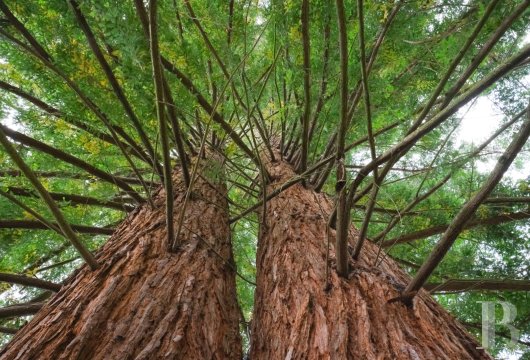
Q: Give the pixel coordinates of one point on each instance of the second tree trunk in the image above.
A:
(300, 315)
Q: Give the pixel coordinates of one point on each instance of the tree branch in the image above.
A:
(21, 309)
(399, 150)
(69, 175)
(70, 159)
(324, 79)
(188, 84)
(465, 285)
(29, 281)
(130, 145)
(484, 51)
(216, 117)
(501, 334)
(8, 330)
(419, 199)
(177, 132)
(36, 225)
(88, 103)
(508, 200)
(441, 84)
(343, 218)
(294, 180)
(307, 86)
(25, 33)
(459, 222)
(43, 193)
(74, 199)
(120, 94)
(439, 229)
(162, 124)
(377, 180)
(32, 212)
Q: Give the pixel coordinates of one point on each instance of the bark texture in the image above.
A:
(297, 317)
(145, 302)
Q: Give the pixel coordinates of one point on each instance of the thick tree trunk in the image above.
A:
(297, 316)
(145, 302)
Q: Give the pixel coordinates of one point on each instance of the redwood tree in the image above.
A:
(303, 309)
(317, 139)
(144, 301)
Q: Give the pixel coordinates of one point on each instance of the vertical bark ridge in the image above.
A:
(296, 317)
(145, 302)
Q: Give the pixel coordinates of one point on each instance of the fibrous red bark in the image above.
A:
(297, 316)
(145, 302)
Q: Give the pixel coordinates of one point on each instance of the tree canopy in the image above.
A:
(99, 100)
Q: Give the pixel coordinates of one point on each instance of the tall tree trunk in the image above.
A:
(297, 316)
(145, 302)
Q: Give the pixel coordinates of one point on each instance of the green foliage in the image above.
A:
(421, 42)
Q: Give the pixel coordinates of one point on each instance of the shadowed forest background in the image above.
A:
(275, 177)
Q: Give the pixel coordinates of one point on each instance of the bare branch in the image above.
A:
(32, 212)
(508, 200)
(20, 310)
(439, 229)
(485, 50)
(70, 159)
(377, 180)
(466, 285)
(130, 146)
(120, 94)
(43, 193)
(459, 222)
(307, 86)
(8, 330)
(441, 84)
(162, 125)
(400, 149)
(36, 225)
(74, 199)
(177, 132)
(29, 281)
